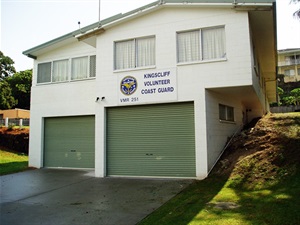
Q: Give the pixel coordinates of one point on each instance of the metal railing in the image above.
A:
(14, 122)
(289, 62)
(285, 109)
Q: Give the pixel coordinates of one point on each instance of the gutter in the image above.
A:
(56, 40)
(31, 56)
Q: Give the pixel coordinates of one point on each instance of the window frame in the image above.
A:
(87, 70)
(38, 71)
(136, 55)
(200, 50)
(290, 72)
(227, 110)
(69, 70)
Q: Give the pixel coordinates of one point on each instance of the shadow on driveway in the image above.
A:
(50, 196)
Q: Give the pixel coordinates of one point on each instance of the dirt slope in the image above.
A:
(265, 152)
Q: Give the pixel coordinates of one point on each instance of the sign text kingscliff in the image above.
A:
(150, 86)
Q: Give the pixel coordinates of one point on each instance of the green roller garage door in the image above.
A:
(151, 140)
(69, 142)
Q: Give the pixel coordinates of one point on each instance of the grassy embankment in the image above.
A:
(12, 162)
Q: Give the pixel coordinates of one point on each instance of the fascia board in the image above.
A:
(220, 2)
(67, 38)
(285, 51)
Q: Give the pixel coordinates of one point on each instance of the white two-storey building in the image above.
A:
(155, 92)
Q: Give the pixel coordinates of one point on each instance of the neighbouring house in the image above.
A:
(289, 64)
(15, 114)
(155, 92)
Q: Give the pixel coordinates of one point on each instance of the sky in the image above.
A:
(28, 23)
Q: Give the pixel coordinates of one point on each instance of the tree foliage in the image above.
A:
(296, 14)
(20, 84)
(296, 95)
(280, 91)
(14, 87)
(289, 98)
(7, 101)
(7, 66)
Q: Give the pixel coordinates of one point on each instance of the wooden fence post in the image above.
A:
(20, 123)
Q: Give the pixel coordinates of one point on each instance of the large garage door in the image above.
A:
(151, 140)
(69, 142)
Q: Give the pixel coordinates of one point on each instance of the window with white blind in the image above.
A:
(201, 45)
(83, 67)
(60, 70)
(139, 52)
(68, 69)
(79, 68)
(226, 113)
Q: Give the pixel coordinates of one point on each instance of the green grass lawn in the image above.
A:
(260, 184)
(11, 162)
(216, 201)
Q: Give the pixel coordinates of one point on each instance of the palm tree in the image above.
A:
(297, 13)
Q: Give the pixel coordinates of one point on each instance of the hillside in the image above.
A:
(256, 181)
(262, 154)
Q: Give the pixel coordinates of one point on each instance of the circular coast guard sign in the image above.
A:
(128, 85)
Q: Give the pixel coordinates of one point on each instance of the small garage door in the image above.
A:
(69, 142)
(151, 140)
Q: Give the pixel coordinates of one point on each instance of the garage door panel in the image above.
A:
(155, 168)
(69, 142)
(152, 140)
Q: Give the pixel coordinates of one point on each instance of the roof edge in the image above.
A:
(118, 17)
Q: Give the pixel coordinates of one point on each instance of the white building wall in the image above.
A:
(258, 85)
(260, 91)
(78, 98)
(192, 79)
(219, 132)
(58, 99)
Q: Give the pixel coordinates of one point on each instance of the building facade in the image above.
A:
(15, 114)
(155, 92)
(289, 64)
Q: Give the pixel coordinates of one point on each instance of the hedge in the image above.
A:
(16, 142)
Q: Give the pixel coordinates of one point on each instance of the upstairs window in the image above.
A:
(79, 68)
(135, 53)
(67, 70)
(226, 113)
(83, 67)
(189, 46)
(44, 73)
(200, 45)
(60, 70)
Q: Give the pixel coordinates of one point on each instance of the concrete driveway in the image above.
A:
(49, 196)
